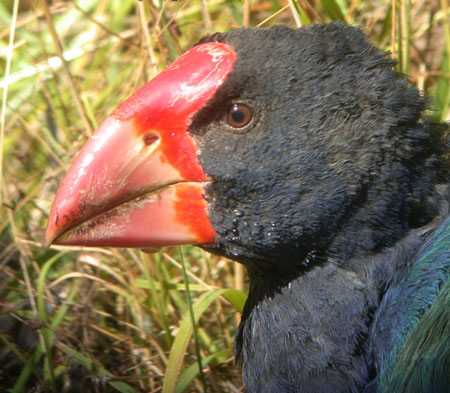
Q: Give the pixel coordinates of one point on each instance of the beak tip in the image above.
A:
(49, 236)
(53, 230)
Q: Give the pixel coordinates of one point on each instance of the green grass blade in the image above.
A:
(188, 375)
(49, 371)
(443, 86)
(236, 297)
(303, 16)
(14, 349)
(41, 285)
(121, 387)
(183, 337)
(386, 26)
(336, 10)
(59, 316)
(191, 313)
(97, 370)
(29, 368)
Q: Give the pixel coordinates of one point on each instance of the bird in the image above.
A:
(305, 156)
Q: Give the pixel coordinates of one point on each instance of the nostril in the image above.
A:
(150, 138)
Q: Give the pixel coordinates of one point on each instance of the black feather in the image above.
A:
(326, 196)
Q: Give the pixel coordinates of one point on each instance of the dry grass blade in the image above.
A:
(59, 51)
(5, 92)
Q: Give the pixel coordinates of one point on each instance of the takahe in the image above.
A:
(305, 156)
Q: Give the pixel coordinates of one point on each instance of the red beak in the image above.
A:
(138, 182)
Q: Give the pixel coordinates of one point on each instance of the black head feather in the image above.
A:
(337, 147)
(318, 195)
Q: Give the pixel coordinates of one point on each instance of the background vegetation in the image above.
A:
(101, 320)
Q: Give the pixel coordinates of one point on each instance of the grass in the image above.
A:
(105, 320)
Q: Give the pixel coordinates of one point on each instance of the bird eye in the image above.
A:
(239, 115)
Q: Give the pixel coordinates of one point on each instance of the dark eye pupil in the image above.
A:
(239, 115)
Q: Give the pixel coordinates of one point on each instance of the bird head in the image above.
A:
(263, 145)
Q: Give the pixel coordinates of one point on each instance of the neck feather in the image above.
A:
(311, 333)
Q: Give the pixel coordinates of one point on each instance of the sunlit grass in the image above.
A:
(74, 319)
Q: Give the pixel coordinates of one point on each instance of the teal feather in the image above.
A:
(420, 359)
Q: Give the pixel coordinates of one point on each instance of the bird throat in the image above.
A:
(312, 333)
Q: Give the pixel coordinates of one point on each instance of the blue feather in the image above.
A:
(420, 358)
